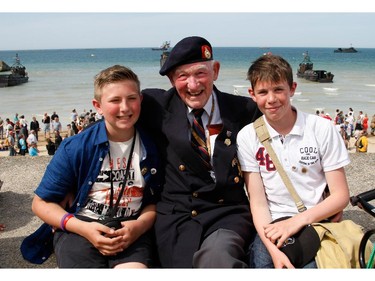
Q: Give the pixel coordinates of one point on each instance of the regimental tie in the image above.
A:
(198, 138)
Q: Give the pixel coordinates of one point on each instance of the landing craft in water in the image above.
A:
(164, 47)
(345, 50)
(163, 58)
(306, 71)
(17, 75)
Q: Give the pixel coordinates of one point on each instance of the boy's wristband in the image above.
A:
(64, 220)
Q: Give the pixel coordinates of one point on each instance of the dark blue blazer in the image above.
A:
(192, 205)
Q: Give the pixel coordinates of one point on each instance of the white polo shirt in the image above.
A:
(314, 146)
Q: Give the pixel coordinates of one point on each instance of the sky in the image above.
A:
(112, 24)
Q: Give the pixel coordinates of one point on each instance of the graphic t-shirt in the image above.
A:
(98, 202)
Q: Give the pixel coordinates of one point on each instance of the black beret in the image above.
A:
(188, 50)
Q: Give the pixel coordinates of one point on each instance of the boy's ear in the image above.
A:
(251, 93)
(293, 89)
(97, 106)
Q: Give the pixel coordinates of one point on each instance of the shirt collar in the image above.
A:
(300, 124)
(297, 129)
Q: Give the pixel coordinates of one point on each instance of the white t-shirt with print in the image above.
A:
(99, 197)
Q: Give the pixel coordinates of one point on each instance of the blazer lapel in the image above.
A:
(176, 128)
(225, 144)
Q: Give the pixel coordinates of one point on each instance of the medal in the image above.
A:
(227, 142)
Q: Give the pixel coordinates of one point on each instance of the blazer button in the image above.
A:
(194, 213)
(221, 201)
(182, 168)
(195, 194)
(236, 179)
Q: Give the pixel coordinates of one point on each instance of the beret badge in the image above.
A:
(206, 52)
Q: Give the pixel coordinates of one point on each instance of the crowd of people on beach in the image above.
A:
(351, 126)
(20, 137)
(188, 181)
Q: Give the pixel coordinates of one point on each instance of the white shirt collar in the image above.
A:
(297, 129)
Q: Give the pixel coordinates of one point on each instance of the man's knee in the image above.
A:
(221, 249)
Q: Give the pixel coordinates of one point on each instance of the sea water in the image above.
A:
(62, 80)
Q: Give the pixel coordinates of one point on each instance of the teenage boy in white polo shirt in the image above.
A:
(309, 148)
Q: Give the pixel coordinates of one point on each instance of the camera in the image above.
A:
(114, 223)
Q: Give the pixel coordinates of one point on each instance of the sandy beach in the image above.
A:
(21, 175)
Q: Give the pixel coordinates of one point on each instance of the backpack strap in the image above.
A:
(265, 138)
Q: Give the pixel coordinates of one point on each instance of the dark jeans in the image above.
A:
(75, 251)
(260, 258)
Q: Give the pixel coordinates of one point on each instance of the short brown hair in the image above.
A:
(270, 68)
(113, 74)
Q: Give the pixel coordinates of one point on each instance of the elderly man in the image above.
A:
(203, 218)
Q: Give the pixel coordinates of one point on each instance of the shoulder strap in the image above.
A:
(264, 137)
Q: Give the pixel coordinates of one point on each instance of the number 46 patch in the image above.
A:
(264, 159)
